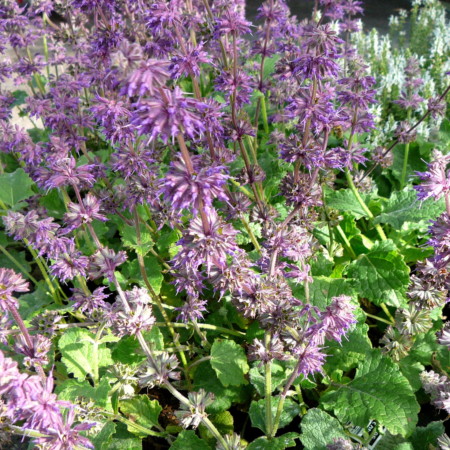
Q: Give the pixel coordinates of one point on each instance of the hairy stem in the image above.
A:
(360, 200)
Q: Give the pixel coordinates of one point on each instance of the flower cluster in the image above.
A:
(200, 206)
(32, 401)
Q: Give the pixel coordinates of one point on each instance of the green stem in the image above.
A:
(264, 114)
(303, 408)
(134, 425)
(202, 336)
(377, 318)
(27, 432)
(276, 423)
(242, 188)
(405, 159)
(252, 148)
(360, 200)
(268, 387)
(405, 166)
(18, 264)
(153, 293)
(387, 312)
(205, 420)
(26, 335)
(44, 273)
(346, 241)
(250, 233)
(208, 326)
(98, 336)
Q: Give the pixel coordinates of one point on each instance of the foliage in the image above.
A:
(217, 241)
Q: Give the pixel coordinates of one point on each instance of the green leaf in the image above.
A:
(71, 389)
(323, 289)
(404, 207)
(279, 443)
(20, 97)
(205, 378)
(379, 391)
(142, 410)
(257, 412)
(31, 304)
(412, 369)
(229, 362)
(188, 440)
(20, 257)
(415, 160)
(166, 242)
(393, 442)
(128, 349)
(82, 355)
(443, 356)
(15, 187)
(424, 347)
(243, 237)
(223, 421)
(321, 265)
(124, 440)
(129, 239)
(426, 437)
(344, 200)
(53, 203)
(152, 269)
(381, 275)
(257, 376)
(348, 354)
(319, 429)
(102, 441)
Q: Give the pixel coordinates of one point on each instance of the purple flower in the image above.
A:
(88, 303)
(315, 67)
(444, 336)
(70, 265)
(209, 249)
(293, 243)
(259, 352)
(139, 319)
(191, 416)
(78, 215)
(311, 359)
(438, 388)
(64, 172)
(168, 114)
(10, 282)
(64, 436)
(435, 182)
(409, 101)
(323, 39)
(148, 78)
(240, 86)
(132, 158)
(437, 107)
(231, 21)
(164, 15)
(336, 320)
(38, 354)
(113, 115)
(8, 373)
(187, 62)
(192, 310)
(155, 372)
(104, 262)
(183, 189)
(318, 112)
(43, 407)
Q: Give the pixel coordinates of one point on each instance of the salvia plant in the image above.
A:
(223, 235)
